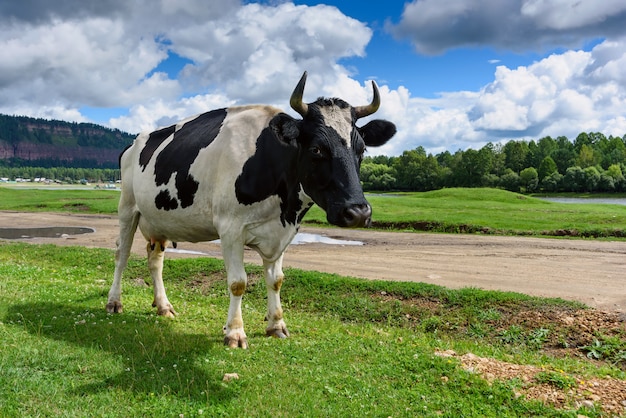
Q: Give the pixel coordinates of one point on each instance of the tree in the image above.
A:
(515, 155)
(586, 156)
(564, 155)
(552, 182)
(591, 179)
(613, 151)
(615, 171)
(472, 167)
(546, 146)
(547, 167)
(377, 176)
(606, 183)
(510, 180)
(529, 179)
(416, 170)
(574, 179)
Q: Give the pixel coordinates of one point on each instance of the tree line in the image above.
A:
(591, 163)
(68, 175)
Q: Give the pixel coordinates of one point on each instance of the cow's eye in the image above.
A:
(316, 151)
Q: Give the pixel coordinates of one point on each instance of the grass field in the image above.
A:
(358, 348)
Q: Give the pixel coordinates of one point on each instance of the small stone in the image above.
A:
(587, 403)
(446, 353)
(230, 376)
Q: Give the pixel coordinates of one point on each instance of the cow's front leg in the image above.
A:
(234, 335)
(274, 280)
(128, 225)
(156, 253)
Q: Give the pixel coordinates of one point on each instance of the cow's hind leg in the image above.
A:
(156, 253)
(274, 280)
(128, 226)
(234, 334)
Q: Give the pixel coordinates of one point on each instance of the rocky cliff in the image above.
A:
(30, 141)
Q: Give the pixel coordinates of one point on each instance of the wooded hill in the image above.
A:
(26, 141)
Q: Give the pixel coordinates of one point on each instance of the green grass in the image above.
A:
(59, 200)
(358, 348)
(489, 211)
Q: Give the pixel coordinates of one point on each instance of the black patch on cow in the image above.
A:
(165, 201)
(181, 152)
(155, 139)
(272, 169)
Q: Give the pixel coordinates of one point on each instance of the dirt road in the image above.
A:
(593, 272)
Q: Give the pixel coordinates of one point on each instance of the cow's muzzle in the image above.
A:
(355, 216)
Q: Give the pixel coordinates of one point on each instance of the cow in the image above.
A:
(246, 175)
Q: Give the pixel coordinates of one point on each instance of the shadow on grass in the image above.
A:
(141, 353)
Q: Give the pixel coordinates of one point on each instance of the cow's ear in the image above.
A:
(377, 132)
(286, 128)
(268, 171)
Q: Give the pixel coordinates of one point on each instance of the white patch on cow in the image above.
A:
(340, 120)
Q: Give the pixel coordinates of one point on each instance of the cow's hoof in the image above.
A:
(277, 333)
(114, 307)
(236, 340)
(167, 312)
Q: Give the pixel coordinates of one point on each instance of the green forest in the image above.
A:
(591, 163)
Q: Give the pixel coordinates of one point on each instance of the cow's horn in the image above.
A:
(296, 97)
(362, 111)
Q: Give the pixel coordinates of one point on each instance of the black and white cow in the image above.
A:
(246, 175)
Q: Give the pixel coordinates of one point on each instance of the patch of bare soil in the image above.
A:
(573, 335)
(554, 387)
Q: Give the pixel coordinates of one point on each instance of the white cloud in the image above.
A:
(568, 14)
(561, 95)
(515, 25)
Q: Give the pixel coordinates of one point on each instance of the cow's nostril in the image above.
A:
(357, 215)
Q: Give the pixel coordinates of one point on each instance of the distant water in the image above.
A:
(609, 200)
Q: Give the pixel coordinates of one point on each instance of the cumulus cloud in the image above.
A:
(107, 54)
(517, 25)
(561, 95)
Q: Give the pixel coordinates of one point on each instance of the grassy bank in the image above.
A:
(358, 348)
(489, 211)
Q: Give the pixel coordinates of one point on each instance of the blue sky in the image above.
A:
(453, 77)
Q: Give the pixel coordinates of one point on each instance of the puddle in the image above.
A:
(180, 251)
(304, 238)
(44, 232)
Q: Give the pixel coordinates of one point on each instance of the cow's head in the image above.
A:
(331, 148)
(322, 153)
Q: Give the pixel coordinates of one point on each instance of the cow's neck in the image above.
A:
(294, 204)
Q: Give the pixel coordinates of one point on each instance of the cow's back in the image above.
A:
(181, 178)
